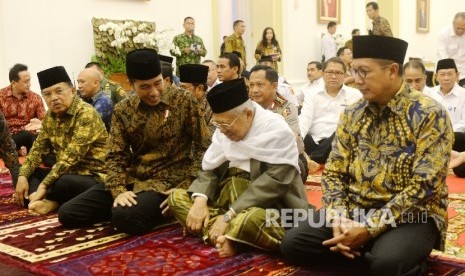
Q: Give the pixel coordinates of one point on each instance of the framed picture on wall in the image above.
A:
(423, 16)
(329, 10)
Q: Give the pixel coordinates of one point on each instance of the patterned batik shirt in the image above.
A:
(235, 43)
(77, 138)
(182, 41)
(269, 49)
(8, 150)
(114, 90)
(391, 161)
(156, 147)
(104, 106)
(381, 27)
(19, 112)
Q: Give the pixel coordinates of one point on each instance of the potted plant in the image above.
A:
(113, 39)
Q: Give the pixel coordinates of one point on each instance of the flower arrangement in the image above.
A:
(113, 39)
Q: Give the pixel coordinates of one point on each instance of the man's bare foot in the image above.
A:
(225, 247)
(313, 166)
(42, 207)
(456, 159)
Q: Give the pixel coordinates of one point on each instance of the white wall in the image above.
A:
(423, 45)
(302, 33)
(48, 33)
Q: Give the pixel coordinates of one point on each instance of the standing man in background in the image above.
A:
(235, 42)
(451, 43)
(380, 24)
(328, 44)
(190, 46)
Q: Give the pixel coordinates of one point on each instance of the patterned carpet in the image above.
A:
(39, 245)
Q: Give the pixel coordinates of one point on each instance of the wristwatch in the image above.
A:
(227, 217)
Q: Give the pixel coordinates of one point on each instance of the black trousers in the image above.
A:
(65, 188)
(96, 205)
(24, 138)
(459, 145)
(318, 152)
(399, 251)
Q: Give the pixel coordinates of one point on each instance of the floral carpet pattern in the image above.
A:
(41, 246)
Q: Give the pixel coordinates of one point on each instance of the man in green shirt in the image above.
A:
(189, 47)
(74, 132)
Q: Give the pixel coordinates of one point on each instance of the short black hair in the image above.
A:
(187, 18)
(233, 60)
(354, 31)
(374, 5)
(415, 64)
(167, 70)
(93, 63)
(335, 60)
(318, 64)
(237, 23)
(14, 71)
(331, 24)
(270, 74)
(341, 51)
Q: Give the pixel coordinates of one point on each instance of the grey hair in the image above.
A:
(247, 105)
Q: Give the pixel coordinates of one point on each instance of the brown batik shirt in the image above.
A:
(156, 148)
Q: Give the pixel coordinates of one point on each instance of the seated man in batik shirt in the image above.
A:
(74, 132)
(384, 185)
(251, 165)
(157, 139)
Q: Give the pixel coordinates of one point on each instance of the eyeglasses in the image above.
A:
(333, 73)
(225, 126)
(362, 73)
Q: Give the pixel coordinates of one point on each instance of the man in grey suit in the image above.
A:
(250, 169)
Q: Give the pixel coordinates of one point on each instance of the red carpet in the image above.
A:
(41, 246)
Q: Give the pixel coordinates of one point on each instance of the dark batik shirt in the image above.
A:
(78, 139)
(392, 161)
(8, 150)
(156, 147)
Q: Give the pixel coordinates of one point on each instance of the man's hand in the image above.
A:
(39, 194)
(349, 236)
(164, 205)
(218, 228)
(187, 50)
(34, 125)
(22, 190)
(198, 215)
(125, 199)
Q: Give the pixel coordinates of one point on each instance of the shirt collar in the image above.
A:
(96, 96)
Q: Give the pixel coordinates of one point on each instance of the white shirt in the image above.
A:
(328, 46)
(320, 112)
(454, 103)
(286, 91)
(452, 46)
(309, 86)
